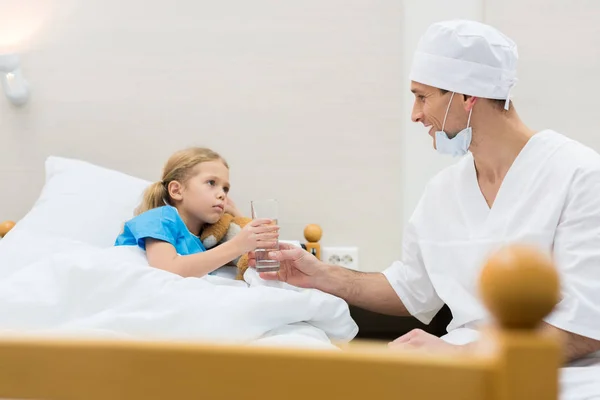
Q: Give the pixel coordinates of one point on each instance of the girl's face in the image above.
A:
(203, 196)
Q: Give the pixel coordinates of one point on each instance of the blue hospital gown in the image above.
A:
(162, 223)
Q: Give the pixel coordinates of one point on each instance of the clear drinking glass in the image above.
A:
(265, 209)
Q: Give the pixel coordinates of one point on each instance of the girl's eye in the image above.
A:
(212, 182)
(226, 189)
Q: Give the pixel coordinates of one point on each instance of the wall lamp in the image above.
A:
(15, 86)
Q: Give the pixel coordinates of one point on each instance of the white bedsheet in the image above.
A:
(65, 288)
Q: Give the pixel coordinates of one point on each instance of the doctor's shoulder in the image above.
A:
(578, 157)
(575, 167)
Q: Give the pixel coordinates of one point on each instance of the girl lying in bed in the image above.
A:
(192, 193)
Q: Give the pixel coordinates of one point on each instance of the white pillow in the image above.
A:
(81, 201)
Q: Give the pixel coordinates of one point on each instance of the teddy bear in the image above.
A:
(223, 230)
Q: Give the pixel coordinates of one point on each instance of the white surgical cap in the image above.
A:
(466, 57)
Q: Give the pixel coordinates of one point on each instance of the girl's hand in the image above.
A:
(259, 233)
(230, 208)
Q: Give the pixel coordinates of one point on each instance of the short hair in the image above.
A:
(498, 103)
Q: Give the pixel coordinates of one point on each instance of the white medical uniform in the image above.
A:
(550, 197)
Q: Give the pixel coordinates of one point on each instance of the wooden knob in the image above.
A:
(5, 227)
(313, 233)
(519, 286)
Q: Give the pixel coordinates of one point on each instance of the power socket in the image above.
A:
(343, 256)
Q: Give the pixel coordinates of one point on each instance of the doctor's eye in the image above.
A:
(421, 98)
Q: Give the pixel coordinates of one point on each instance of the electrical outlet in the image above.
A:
(343, 256)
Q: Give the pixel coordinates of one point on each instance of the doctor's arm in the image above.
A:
(371, 291)
(403, 289)
(574, 346)
(577, 256)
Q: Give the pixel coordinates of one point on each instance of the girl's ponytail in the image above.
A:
(154, 196)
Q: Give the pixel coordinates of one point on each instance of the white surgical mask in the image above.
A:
(459, 144)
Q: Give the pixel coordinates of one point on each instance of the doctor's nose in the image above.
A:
(416, 115)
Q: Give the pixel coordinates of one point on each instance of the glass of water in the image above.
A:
(265, 209)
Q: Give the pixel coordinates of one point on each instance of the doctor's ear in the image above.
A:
(469, 102)
(175, 189)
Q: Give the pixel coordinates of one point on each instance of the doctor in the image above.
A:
(512, 184)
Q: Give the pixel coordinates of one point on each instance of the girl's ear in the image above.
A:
(175, 190)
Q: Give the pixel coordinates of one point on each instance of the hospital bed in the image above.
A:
(515, 360)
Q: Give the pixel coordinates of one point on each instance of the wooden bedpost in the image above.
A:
(5, 227)
(312, 234)
(520, 286)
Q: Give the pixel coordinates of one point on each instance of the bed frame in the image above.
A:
(515, 360)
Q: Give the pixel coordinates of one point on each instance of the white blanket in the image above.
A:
(113, 292)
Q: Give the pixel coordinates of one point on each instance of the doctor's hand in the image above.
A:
(418, 339)
(296, 266)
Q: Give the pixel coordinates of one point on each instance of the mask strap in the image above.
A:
(469, 120)
(447, 109)
(507, 102)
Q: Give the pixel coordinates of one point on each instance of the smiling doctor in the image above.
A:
(512, 184)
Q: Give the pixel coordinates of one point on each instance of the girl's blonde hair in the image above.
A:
(179, 167)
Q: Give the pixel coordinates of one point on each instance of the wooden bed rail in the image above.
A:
(515, 359)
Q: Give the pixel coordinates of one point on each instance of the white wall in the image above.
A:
(559, 62)
(302, 98)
